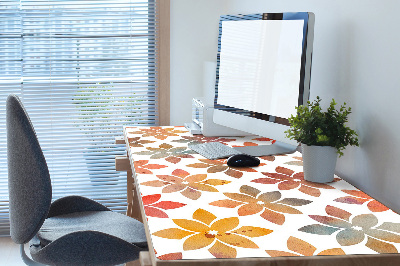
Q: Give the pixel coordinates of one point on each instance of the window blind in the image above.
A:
(83, 69)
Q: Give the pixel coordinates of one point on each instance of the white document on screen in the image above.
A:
(260, 63)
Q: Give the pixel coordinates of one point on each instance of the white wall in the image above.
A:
(356, 59)
(194, 41)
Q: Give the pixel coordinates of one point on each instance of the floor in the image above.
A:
(9, 253)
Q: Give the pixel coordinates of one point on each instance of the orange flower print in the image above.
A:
(215, 166)
(138, 142)
(190, 186)
(288, 180)
(359, 197)
(353, 231)
(143, 167)
(217, 234)
(160, 133)
(270, 204)
(302, 248)
(198, 139)
(168, 152)
(154, 208)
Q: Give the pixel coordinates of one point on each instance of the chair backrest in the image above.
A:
(29, 183)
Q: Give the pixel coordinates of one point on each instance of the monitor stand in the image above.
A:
(264, 150)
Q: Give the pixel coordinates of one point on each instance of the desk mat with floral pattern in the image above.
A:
(198, 208)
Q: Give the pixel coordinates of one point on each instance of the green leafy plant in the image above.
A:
(312, 126)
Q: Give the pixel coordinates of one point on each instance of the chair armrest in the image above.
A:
(72, 204)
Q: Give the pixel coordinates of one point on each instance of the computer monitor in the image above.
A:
(263, 73)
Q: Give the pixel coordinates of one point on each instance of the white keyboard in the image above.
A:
(214, 150)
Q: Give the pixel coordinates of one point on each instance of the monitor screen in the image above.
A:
(263, 71)
(260, 64)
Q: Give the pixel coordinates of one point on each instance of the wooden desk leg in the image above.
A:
(133, 200)
(129, 193)
(144, 260)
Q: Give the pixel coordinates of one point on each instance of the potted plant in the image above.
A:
(323, 135)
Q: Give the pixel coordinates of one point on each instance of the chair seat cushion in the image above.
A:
(107, 222)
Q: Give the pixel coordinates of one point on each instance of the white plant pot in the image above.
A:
(319, 163)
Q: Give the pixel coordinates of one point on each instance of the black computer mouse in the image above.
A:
(243, 160)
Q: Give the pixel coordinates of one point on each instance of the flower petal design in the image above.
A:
(300, 246)
(154, 183)
(380, 247)
(265, 181)
(249, 190)
(170, 178)
(197, 241)
(288, 185)
(297, 163)
(277, 176)
(332, 251)
(181, 173)
(217, 168)
(294, 201)
(149, 199)
(141, 162)
(204, 216)
(191, 193)
(226, 203)
(220, 250)
(191, 225)
(236, 240)
(270, 196)
(299, 175)
(273, 217)
(159, 155)
(252, 231)
(165, 146)
(351, 200)
(216, 182)
(154, 212)
(388, 226)
(331, 221)
(173, 159)
(349, 237)
(226, 224)
(154, 166)
(203, 187)
(142, 171)
(365, 220)
(268, 158)
(196, 178)
(172, 233)
(173, 188)
(233, 173)
(310, 191)
(357, 193)
(318, 229)
(171, 256)
(250, 209)
(337, 212)
(198, 165)
(383, 235)
(240, 197)
(283, 170)
(376, 206)
(167, 205)
(277, 253)
(282, 208)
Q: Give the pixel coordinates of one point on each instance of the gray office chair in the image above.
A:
(70, 231)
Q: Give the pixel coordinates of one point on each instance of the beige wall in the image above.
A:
(356, 59)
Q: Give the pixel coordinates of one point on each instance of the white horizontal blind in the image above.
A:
(83, 69)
